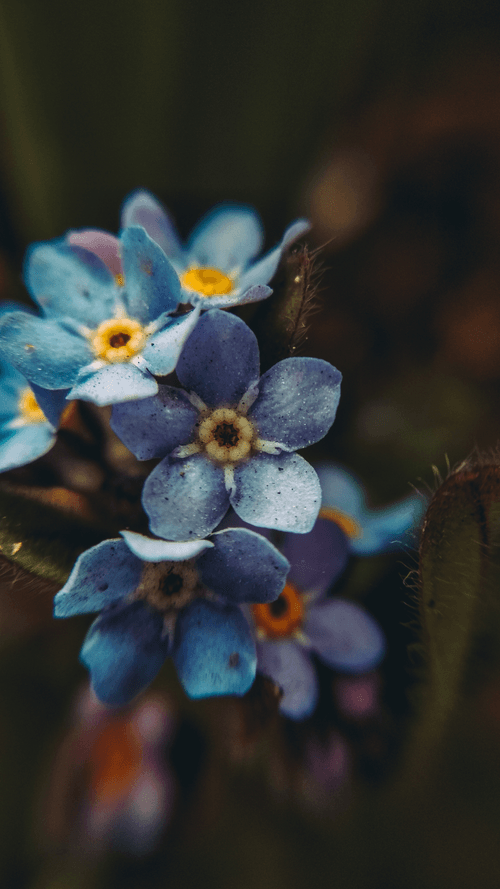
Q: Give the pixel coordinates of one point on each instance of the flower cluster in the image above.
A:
(116, 316)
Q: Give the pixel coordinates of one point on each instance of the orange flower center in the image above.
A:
(207, 282)
(115, 761)
(281, 617)
(349, 525)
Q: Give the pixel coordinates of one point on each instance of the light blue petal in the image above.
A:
(66, 280)
(318, 558)
(51, 401)
(42, 350)
(25, 445)
(342, 490)
(150, 550)
(279, 492)
(101, 576)
(185, 498)
(162, 349)
(226, 238)
(263, 270)
(115, 383)
(220, 359)
(213, 651)
(152, 285)
(344, 635)
(392, 527)
(297, 402)
(11, 305)
(153, 427)
(11, 385)
(124, 650)
(243, 567)
(142, 208)
(236, 298)
(290, 668)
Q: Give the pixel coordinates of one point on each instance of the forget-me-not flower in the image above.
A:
(228, 437)
(159, 598)
(29, 417)
(217, 266)
(303, 620)
(103, 336)
(369, 531)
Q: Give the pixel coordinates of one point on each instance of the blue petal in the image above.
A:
(142, 208)
(342, 490)
(243, 567)
(280, 492)
(12, 384)
(391, 528)
(262, 271)
(101, 576)
(297, 402)
(25, 445)
(235, 298)
(290, 667)
(185, 498)
(317, 558)
(344, 635)
(150, 550)
(220, 359)
(213, 651)
(153, 427)
(42, 350)
(115, 383)
(226, 238)
(66, 280)
(162, 349)
(152, 285)
(52, 402)
(124, 650)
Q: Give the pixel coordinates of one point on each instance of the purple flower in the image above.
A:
(303, 621)
(103, 335)
(228, 437)
(217, 265)
(159, 598)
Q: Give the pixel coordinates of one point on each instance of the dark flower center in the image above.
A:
(226, 435)
(279, 607)
(170, 584)
(117, 340)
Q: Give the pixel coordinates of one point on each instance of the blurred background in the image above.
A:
(380, 121)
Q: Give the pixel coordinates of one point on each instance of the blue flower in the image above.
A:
(160, 598)
(369, 530)
(303, 620)
(218, 262)
(29, 417)
(103, 336)
(228, 437)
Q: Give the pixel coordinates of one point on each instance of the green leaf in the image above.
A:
(40, 538)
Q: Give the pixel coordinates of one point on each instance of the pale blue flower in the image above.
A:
(217, 266)
(159, 598)
(103, 336)
(228, 437)
(369, 531)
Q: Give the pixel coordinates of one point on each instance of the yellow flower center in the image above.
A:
(348, 525)
(226, 436)
(118, 339)
(207, 282)
(120, 280)
(29, 409)
(283, 616)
